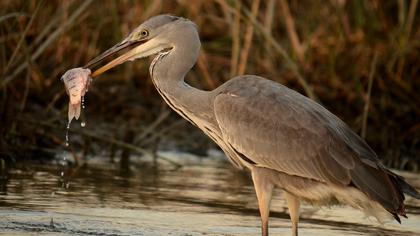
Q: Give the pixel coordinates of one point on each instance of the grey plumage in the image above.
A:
(284, 138)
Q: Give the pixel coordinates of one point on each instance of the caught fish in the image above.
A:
(76, 82)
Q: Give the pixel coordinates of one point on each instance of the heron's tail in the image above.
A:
(381, 186)
(407, 188)
(403, 187)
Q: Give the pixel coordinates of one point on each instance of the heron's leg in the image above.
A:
(293, 203)
(264, 189)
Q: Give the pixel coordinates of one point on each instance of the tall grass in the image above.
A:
(324, 49)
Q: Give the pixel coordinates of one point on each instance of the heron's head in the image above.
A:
(156, 35)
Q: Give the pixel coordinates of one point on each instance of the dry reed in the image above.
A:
(321, 48)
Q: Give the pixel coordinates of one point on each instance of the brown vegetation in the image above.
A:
(359, 58)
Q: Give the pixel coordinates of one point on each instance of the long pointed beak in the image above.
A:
(117, 48)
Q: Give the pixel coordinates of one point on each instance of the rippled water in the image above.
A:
(204, 197)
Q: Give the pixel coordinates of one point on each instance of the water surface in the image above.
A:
(204, 197)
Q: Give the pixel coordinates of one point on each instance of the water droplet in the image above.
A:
(67, 134)
(62, 173)
(83, 102)
(83, 124)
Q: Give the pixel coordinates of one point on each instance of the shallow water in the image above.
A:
(204, 197)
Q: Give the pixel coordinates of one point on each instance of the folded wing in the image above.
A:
(280, 129)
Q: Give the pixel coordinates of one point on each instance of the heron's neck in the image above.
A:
(168, 71)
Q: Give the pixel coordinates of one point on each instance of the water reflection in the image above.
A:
(203, 197)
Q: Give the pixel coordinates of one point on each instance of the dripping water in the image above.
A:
(67, 133)
(62, 163)
(83, 123)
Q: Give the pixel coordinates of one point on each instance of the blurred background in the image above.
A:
(360, 59)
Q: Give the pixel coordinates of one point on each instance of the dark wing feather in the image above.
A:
(280, 129)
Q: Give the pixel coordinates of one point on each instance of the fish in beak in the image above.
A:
(76, 82)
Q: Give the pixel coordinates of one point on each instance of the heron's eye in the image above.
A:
(144, 33)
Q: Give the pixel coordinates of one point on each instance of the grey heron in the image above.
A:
(285, 139)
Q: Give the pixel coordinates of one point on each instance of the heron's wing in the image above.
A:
(278, 128)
